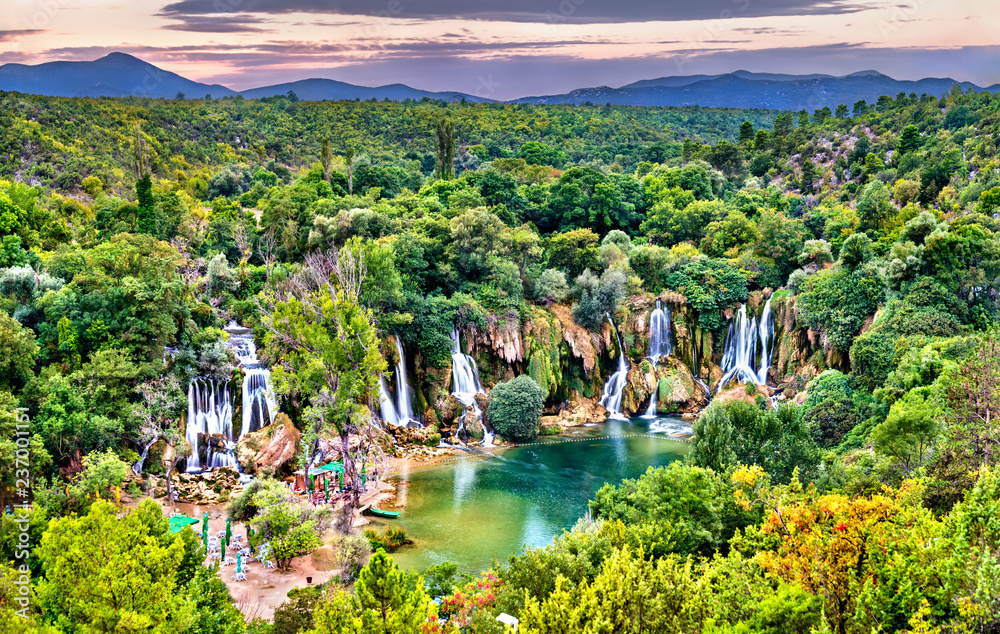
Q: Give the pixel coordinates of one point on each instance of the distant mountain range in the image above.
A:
(743, 89)
(122, 75)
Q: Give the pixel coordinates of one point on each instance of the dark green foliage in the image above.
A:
(777, 440)
(445, 168)
(713, 439)
(296, 614)
(710, 286)
(696, 502)
(829, 409)
(515, 407)
(598, 297)
(214, 612)
(838, 301)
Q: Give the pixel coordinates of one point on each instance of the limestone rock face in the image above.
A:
(271, 449)
(503, 339)
(213, 487)
(584, 344)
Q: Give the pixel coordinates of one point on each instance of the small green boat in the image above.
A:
(386, 514)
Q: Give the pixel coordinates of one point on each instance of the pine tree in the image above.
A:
(746, 133)
(389, 604)
(326, 158)
(809, 175)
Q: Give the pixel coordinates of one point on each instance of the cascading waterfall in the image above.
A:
(465, 383)
(660, 346)
(766, 342)
(210, 406)
(651, 410)
(259, 404)
(404, 405)
(386, 404)
(611, 395)
(660, 339)
(749, 342)
(137, 466)
(210, 412)
(396, 411)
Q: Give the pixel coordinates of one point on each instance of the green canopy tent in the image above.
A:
(178, 522)
(334, 467)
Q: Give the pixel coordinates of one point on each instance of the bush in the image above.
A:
(390, 540)
(551, 286)
(829, 408)
(515, 407)
(598, 297)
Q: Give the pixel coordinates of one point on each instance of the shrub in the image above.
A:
(390, 540)
(598, 297)
(551, 286)
(829, 408)
(515, 407)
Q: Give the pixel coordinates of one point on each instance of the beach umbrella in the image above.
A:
(204, 540)
(229, 530)
(239, 563)
(310, 483)
(326, 488)
(204, 525)
(341, 479)
(225, 545)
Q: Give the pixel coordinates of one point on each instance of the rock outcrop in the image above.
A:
(212, 487)
(270, 451)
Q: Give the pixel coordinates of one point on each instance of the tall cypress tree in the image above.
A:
(146, 217)
(446, 150)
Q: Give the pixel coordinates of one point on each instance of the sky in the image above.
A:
(503, 49)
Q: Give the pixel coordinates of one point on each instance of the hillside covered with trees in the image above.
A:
(850, 487)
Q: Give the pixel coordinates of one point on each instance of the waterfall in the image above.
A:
(387, 407)
(404, 406)
(137, 467)
(611, 395)
(766, 342)
(210, 406)
(465, 384)
(651, 410)
(660, 340)
(464, 375)
(259, 404)
(748, 351)
(210, 411)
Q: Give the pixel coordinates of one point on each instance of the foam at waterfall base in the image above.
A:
(671, 427)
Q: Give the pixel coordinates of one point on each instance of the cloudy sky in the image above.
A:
(511, 48)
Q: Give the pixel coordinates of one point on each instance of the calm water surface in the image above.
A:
(481, 507)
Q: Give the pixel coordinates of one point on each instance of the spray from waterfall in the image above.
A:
(749, 342)
(611, 395)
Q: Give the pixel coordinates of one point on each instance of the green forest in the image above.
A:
(850, 487)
